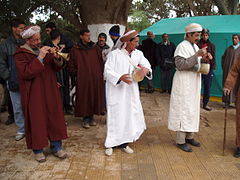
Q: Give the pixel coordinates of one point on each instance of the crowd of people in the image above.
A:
(38, 80)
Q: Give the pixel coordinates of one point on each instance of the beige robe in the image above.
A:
(228, 60)
(231, 82)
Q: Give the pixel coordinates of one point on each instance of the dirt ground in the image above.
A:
(155, 156)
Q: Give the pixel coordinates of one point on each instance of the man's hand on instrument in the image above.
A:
(226, 91)
(202, 52)
(210, 57)
(126, 78)
(145, 70)
(207, 57)
(43, 51)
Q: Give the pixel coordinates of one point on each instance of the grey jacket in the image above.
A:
(7, 49)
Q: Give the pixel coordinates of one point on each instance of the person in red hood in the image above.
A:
(41, 101)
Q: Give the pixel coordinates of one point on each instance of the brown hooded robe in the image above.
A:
(40, 97)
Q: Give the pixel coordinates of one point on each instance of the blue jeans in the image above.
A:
(55, 146)
(207, 83)
(17, 111)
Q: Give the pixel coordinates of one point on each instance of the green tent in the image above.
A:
(221, 30)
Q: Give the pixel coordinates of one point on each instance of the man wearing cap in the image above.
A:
(9, 74)
(62, 76)
(102, 38)
(184, 110)
(114, 33)
(207, 79)
(86, 65)
(125, 119)
(228, 59)
(41, 101)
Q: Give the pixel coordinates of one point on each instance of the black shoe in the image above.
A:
(184, 147)
(93, 122)
(151, 90)
(147, 91)
(68, 112)
(9, 121)
(237, 153)
(193, 142)
(207, 108)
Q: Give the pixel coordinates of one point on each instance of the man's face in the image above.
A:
(34, 41)
(17, 30)
(85, 37)
(114, 37)
(235, 40)
(101, 41)
(205, 36)
(150, 35)
(132, 45)
(48, 30)
(165, 37)
(194, 38)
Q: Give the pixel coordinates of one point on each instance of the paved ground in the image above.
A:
(155, 157)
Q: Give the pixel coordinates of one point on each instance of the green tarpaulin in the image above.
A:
(221, 30)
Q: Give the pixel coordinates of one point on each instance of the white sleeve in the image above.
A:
(145, 63)
(109, 74)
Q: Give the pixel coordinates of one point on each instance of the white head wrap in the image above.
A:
(30, 31)
(194, 27)
(128, 36)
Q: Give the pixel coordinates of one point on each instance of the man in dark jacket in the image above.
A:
(62, 76)
(148, 48)
(9, 74)
(102, 38)
(207, 79)
(165, 52)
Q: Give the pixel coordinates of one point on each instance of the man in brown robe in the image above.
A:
(228, 60)
(232, 82)
(41, 101)
(87, 65)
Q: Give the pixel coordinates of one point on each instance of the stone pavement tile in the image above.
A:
(113, 166)
(145, 163)
(161, 163)
(156, 155)
(40, 175)
(6, 175)
(22, 175)
(59, 174)
(130, 169)
(96, 165)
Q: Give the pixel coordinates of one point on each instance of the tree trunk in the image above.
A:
(234, 6)
(104, 11)
(221, 7)
(97, 15)
(100, 16)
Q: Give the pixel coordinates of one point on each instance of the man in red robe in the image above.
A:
(87, 65)
(41, 101)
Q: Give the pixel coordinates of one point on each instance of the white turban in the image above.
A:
(30, 31)
(194, 27)
(129, 35)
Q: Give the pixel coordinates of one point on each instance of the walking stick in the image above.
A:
(225, 123)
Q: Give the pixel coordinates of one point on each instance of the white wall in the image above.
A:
(96, 29)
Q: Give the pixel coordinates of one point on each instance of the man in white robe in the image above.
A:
(125, 118)
(184, 110)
